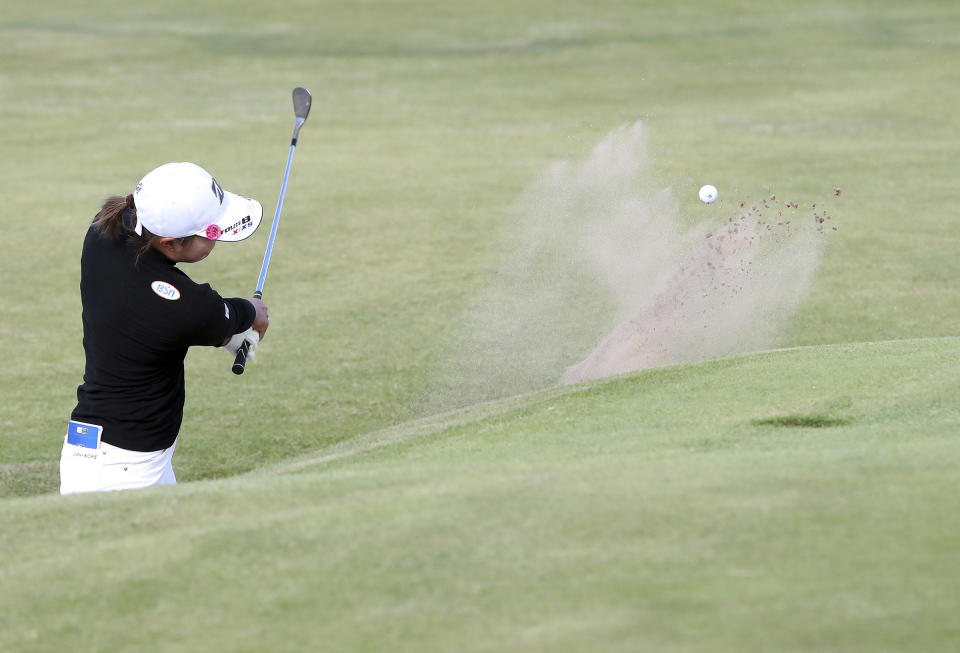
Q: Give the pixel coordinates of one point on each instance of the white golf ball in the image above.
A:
(708, 194)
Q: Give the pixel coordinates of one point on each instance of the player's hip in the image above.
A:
(87, 464)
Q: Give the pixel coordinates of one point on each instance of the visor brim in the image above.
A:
(241, 217)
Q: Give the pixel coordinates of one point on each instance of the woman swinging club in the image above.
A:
(140, 315)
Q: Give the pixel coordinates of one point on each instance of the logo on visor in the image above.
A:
(214, 232)
(217, 190)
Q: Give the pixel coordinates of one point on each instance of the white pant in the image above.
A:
(112, 468)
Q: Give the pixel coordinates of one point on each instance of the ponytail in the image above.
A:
(116, 214)
(119, 215)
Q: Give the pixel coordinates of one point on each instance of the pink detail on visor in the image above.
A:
(214, 232)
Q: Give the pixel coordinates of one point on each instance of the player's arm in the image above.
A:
(260, 321)
(207, 319)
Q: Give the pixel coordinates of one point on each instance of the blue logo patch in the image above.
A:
(83, 435)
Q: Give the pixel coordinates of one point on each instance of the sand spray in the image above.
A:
(600, 275)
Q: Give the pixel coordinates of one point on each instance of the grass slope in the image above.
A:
(792, 500)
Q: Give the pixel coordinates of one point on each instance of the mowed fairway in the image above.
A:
(801, 499)
(790, 501)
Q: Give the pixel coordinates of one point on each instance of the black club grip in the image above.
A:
(240, 362)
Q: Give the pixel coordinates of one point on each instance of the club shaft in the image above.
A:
(240, 361)
(276, 222)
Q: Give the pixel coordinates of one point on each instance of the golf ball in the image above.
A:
(708, 194)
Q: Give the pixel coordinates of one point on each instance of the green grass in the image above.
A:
(794, 500)
(648, 512)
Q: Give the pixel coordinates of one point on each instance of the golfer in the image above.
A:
(140, 315)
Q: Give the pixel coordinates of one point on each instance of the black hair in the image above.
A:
(118, 215)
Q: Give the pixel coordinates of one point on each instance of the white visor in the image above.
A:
(182, 199)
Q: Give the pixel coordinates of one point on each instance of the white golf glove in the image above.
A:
(252, 338)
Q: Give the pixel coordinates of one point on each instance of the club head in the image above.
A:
(301, 102)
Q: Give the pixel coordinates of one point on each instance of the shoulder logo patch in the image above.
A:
(165, 290)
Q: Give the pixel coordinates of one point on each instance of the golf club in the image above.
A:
(301, 109)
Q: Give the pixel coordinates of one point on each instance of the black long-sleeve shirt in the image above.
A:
(139, 318)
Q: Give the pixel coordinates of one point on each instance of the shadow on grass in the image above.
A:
(803, 421)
